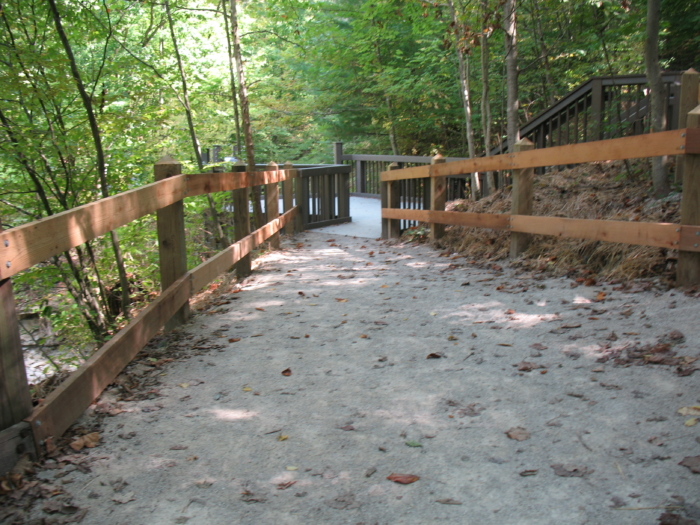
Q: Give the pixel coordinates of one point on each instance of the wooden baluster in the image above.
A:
(172, 247)
(272, 205)
(688, 272)
(521, 203)
(690, 97)
(241, 220)
(438, 187)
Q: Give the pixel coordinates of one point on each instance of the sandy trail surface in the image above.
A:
(515, 399)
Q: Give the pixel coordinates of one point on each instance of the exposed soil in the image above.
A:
(356, 381)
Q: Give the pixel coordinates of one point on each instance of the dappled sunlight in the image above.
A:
(493, 312)
(581, 300)
(228, 414)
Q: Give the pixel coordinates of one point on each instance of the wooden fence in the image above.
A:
(685, 143)
(23, 429)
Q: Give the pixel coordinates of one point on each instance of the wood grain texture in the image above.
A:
(172, 245)
(521, 199)
(688, 99)
(15, 441)
(34, 242)
(438, 196)
(639, 146)
(272, 206)
(688, 270)
(641, 233)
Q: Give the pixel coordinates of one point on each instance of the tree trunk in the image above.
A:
(659, 174)
(97, 139)
(512, 103)
(485, 102)
(232, 69)
(392, 128)
(222, 239)
(245, 112)
(464, 86)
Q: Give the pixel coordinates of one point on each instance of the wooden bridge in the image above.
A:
(24, 428)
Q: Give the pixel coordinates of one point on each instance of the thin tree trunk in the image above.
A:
(659, 174)
(511, 61)
(97, 139)
(232, 69)
(221, 240)
(245, 112)
(392, 128)
(464, 86)
(485, 102)
(544, 55)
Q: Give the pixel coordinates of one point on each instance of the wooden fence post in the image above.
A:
(272, 205)
(688, 272)
(241, 220)
(391, 195)
(438, 190)
(337, 153)
(689, 98)
(302, 198)
(288, 196)
(15, 399)
(172, 247)
(596, 113)
(521, 199)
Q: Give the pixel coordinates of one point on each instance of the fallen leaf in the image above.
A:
(692, 462)
(433, 313)
(363, 336)
(600, 296)
(234, 339)
(285, 485)
(260, 309)
(183, 385)
(403, 479)
(504, 344)
(571, 471)
(87, 441)
(191, 458)
(451, 338)
(526, 366)
(435, 355)
(341, 300)
(178, 447)
(347, 428)
(123, 498)
(247, 389)
(292, 468)
(287, 372)
(689, 411)
(510, 311)
(570, 326)
(691, 422)
(330, 240)
(539, 346)
(384, 286)
(448, 501)
(531, 472)
(518, 434)
(413, 444)
(282, 437)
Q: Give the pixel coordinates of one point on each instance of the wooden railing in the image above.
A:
(684, 236)
(23, 428)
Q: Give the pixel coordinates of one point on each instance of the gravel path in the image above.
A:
(515, 399)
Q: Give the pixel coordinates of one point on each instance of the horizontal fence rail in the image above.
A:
(34, 242)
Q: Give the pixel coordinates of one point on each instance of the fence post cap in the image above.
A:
(437, 159)
(167, 159)
(690, 71)
(239, 163)
(288, 164)
(272, 165)
(524, 143)
(393, 166)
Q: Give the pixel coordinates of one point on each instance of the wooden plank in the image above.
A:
(407, 215)
(15, 399)
(663, 235)
(210, 269)
(688, 271)
(241, 219)
(438, 196)
(272, 206)
(343, 195)
(14, 443)
(521, 202)
(690, 238)
(639, 146)
(493, 221)
(65, 404)
(201, 183)
(288, 195)
(331, 222)
(34, 242)
(172, 245)
(394, 196)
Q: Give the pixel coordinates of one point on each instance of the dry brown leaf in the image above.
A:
(448, 501)
(86, 441)
(435, 355)
(526, 366)
(689, 411)
(287, 372)
(538, 346)
(341, 300)
(518, 434)
(403, 479)
(260, 309)
(363, 336)
(600, 296)
(531, 472)
(234, 339)
(692, 462)
(510, 311)
(285, 485)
